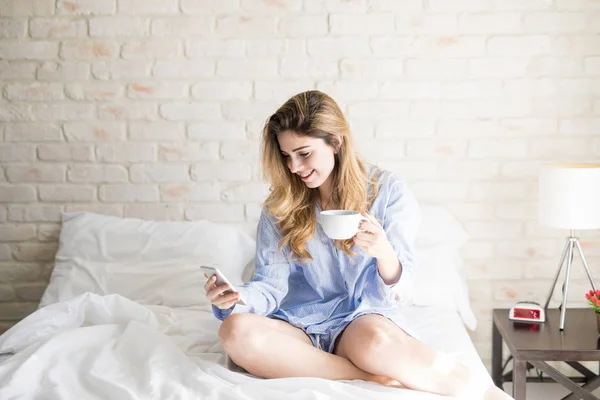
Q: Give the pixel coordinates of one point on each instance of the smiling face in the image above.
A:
(310, 158)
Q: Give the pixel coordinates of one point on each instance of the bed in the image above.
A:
(124, 316)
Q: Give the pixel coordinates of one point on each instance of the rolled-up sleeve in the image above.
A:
(401, 221)
(269, 285)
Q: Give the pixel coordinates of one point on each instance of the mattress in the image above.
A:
(107, 346)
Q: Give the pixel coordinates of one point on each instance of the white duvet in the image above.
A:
(109, 347)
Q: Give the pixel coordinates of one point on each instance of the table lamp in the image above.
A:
(569, 198)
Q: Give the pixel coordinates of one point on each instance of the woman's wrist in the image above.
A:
(389, 257)
(389, 268)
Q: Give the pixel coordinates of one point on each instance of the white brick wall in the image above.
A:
(153, 109)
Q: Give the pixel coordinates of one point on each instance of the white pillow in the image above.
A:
(440, 282)
(151, 262)
(439, 227)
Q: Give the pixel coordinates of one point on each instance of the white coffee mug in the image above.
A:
(341, 224)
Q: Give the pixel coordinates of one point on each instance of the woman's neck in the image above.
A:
(323, 202)
(324, 197)
(325, 192)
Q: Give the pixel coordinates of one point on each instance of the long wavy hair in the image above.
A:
(292, 203)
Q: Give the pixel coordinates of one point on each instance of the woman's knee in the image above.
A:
(375, 335)
(377, 338)
(240, 332)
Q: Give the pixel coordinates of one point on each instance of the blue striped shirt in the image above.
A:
(332, 288)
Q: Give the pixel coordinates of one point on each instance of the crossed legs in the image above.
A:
(272, 348)
(386, 349)
(371, 348)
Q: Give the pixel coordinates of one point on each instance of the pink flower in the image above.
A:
(593, 298)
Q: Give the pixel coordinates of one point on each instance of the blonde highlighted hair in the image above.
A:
(291, 202)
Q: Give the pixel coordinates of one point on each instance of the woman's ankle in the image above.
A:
(495, 393)
(480, 388)
(384, 380)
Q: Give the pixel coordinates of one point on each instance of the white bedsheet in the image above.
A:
(109, 347)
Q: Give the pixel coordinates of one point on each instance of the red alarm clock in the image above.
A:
(527, 311)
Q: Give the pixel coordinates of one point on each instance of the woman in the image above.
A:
(323, 308)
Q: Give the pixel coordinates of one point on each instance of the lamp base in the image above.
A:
(572, 242)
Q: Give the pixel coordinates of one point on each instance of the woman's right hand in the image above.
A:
(215, 294)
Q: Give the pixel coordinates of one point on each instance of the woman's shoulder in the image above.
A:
(267, 222)
(266, 218)
(387, 180)
(394, 194)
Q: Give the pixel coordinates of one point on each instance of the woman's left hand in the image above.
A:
(374, 241)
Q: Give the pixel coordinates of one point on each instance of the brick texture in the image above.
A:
(153, 109)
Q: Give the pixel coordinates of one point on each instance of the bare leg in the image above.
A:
(375, 344)
(272, 348)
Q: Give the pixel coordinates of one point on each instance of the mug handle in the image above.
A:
(362, 219)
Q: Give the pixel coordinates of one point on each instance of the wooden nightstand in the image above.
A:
(531, 347)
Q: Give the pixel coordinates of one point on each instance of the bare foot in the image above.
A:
(495, 393)
(386, 381)
(491, 393)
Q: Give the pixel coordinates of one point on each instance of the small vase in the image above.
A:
(598, 321)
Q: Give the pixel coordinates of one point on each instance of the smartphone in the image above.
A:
(221, 280)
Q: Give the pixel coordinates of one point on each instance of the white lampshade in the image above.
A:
(569, 196)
